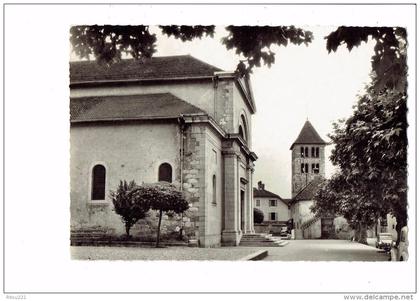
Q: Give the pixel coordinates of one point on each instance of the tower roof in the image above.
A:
(308, 135)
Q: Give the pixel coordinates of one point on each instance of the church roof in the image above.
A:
(129, 107)
(309, 191)
(155, 68)
(308, 135)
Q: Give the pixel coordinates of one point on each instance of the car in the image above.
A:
(384, 241)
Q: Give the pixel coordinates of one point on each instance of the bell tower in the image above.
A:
(308, 158)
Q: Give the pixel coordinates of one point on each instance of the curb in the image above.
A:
(255, 256)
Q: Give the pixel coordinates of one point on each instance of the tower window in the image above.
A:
(302, 168)
(165, 172)
(317, 152)
(306, 152)
(316, 168)
(302, 152)
(98, 182)
(306, 167)
(312, 152)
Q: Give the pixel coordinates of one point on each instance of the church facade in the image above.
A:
(174, 119)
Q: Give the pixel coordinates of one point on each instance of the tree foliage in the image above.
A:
(371, 146)
(164, 197)
(258, 216)
(107, 43)
(129, 203)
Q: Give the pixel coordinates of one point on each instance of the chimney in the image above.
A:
(261, 186)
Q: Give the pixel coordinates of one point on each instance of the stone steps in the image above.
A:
(262, 239)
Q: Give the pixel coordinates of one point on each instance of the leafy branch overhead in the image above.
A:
(253, 43)
(390, 52)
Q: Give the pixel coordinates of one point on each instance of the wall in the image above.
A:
(129, 152)
(283, 212)
(300, 180)
(213, 210)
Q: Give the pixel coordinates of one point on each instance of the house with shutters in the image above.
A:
(174, 119)
(274, 208)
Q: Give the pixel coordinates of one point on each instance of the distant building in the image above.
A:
(274, 208)
(308, 172)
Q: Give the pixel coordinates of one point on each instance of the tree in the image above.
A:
(371, 146)
(129, 203)
(164, 197)
(258, 216)
(108, 43)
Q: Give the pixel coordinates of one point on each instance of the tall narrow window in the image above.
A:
(214, 190)
(316, 169)
(306, 167)
(302, 152)
(313, 168)
(302, 168)
(273, 216)
(312, 152)
(98, 182)
(306, 152)
(165, 172)
(317, 152)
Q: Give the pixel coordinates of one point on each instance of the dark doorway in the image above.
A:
(327, 228)
(242, 210)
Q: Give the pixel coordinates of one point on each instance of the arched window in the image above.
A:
(312, 152)
(214, 190)
(317, 152)
(241, 132)
(243, 128)
(302, 151)
(165, 172)
(306, 152)
(98, 182)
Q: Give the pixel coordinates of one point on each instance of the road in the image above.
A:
(325, 250)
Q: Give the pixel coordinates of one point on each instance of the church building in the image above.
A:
(308, 172)
(174, 119)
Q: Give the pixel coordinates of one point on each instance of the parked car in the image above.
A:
(402, 249)
(384, 241)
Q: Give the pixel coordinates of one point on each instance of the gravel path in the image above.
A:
(169, 253)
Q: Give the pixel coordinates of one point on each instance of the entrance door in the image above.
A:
(242, 210)
(327, 228)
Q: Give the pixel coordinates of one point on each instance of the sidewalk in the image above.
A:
(169, 253)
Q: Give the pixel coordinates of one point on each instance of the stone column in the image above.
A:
(231, 233)
(251, 197)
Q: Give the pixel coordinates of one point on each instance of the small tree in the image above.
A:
(164, 197)
(258, 216)
(129, 202)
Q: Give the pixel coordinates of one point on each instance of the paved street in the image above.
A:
(325, 250)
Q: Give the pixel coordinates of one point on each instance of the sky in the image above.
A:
(305, 82)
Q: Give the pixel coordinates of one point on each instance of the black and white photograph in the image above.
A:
(195, 138)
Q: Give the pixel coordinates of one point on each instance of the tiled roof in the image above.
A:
(308, 135)
(129, 107)
(163, 67)
(265, 193)
(309, 191)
